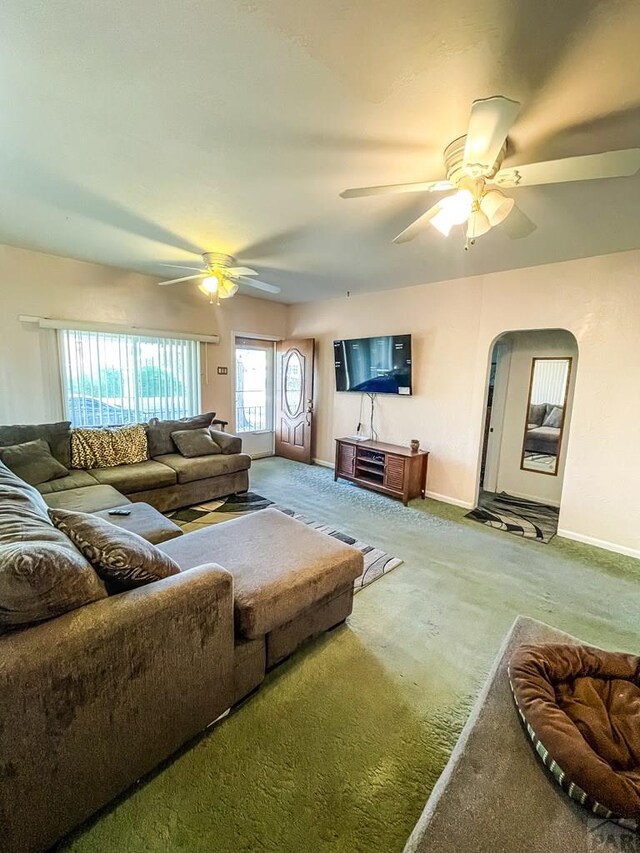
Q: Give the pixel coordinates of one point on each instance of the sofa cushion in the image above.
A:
(85, 499)
(121, 557)
(202, 467)
(19, 493)
(537, 413)
(228, 442)
(108, 446)
(73, 480)
(33, 462)
(280, 566)
(58, 436)
(554, 418)
(195, 442)
(138, 477)
(41, 573)
(159, 432)
(43, 579)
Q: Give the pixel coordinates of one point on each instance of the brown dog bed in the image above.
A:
(581, 707)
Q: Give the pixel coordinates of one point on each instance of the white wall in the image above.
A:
(455, 324)
(511, 478)
(48, 286)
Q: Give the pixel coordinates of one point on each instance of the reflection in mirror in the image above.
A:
(546, 408)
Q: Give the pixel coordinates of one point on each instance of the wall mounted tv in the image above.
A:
(374, 365)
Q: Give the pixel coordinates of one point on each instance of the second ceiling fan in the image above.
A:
(474, 170)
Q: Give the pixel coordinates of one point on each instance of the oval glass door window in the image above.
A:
(293, 383)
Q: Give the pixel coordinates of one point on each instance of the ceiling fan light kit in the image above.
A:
(496, 206)
(209, 284)
(477, 224)
(473, 166)
(453, 210)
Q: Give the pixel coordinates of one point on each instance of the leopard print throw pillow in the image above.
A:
(108, 446)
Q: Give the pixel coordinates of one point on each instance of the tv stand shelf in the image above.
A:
(387, 468)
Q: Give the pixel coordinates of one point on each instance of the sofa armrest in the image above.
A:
(228, 442)
(92, 700)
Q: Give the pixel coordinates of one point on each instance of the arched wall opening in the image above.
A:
(527, 414)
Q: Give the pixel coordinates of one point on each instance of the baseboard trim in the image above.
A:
(263, 455)
(599, 543)
(445, 499)
(323, 463)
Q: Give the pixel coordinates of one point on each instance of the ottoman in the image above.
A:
(144, 520)
(290, 582)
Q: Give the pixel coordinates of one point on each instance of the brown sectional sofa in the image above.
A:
(93, 699)
(166, 481)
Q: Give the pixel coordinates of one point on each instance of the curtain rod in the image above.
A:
(80, 326)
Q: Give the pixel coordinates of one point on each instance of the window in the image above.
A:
(113, 379)
(254, 385)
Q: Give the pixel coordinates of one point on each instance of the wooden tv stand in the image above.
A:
(387, 468)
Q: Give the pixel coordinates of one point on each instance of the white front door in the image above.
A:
(254, 394)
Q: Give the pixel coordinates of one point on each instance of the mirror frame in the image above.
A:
(569, 359)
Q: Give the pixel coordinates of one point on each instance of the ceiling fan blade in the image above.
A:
(489, 124)
(260, 285)
(183, 267)
(392, 189)
(609, 164)
(184, 278)
(517, 224)
(236, 271)
(417, 225)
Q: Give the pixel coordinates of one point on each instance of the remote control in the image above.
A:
(119, 512)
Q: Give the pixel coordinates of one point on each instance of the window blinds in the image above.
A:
(111, 378)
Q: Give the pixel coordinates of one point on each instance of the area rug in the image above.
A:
(376, 562)
(518, 516)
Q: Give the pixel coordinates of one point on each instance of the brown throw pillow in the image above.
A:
(33, 462)
(195, 442)
(554, 418)
(122, 558)
(58, 437)
(228, 443)
(159, 432)
(42, 579)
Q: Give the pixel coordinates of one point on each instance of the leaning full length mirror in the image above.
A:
(547, 405)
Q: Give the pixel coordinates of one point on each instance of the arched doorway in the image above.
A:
(526, 431)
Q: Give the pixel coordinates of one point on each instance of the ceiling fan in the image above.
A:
(220, 277)
(474, 169)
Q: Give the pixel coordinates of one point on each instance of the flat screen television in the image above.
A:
(374, 365)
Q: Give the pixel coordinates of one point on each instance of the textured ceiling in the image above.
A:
(139, 133)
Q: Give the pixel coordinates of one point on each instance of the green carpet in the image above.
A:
(339, 749)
